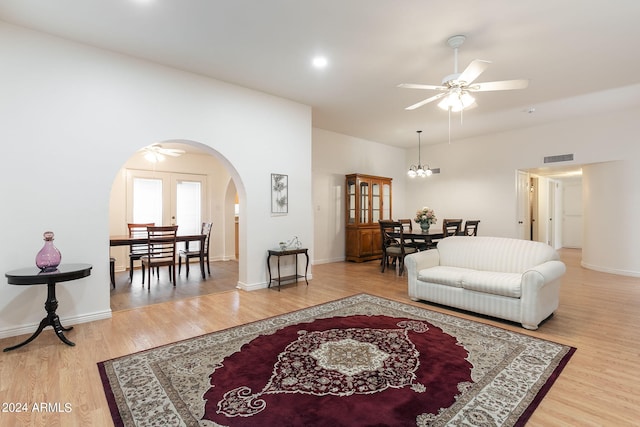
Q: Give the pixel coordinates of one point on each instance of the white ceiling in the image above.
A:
(581, 55)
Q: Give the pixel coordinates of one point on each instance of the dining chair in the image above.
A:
(394, 244)
(471, 227)
(188, 254)
(137, 251)
(407, 227)
(451, 227)
(407, 224)
(161, 251)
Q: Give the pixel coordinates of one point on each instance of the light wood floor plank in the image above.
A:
(599, 314)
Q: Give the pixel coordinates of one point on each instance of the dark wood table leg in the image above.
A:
(279, 279)
(306, 268)
(269, 269)
(52, 319)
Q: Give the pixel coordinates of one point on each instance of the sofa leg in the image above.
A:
(530, 327)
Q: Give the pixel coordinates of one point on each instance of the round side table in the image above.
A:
(34, 276)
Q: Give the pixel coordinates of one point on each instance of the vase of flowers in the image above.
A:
(425, 217)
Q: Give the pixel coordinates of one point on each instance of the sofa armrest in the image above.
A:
(416, 262)
(544, 273)
(421, 260)
(540, 292)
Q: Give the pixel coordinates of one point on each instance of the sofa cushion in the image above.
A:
(442, 275)
(492, 282)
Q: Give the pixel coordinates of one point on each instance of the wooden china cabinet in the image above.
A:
(368, 199)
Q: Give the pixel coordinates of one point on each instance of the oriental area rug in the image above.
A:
(358, 361)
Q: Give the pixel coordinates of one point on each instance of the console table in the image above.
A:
(34, 276)
(284, 252)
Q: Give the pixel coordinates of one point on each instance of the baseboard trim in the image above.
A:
(67, 321)
(328, 260)
(264, 285)
(629, 273)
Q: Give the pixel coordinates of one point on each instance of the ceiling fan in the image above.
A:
(456, 89)
(156, 152)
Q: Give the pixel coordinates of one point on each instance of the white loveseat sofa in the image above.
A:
(512, 279)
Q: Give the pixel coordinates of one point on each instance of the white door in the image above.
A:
(572, 214)
(523, 228)
(535, 209)
(553, 185)
(166, 199)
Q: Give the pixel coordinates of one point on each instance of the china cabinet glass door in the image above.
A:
(364, 202)
(351, 201)
(386, 201)
(376, 202)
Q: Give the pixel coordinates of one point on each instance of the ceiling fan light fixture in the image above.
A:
(457, 101)
(155, 153)
(154, 157)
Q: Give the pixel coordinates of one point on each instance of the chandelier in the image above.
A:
(419, 170)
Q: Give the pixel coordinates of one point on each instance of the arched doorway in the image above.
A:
(216, 178)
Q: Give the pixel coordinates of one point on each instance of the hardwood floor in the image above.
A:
(599, 314)
(131, 293)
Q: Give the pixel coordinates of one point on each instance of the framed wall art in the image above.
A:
(279, 193)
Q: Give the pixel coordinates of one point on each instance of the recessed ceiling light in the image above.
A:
(320, 62)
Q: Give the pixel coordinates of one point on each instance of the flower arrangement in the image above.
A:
(425, 216)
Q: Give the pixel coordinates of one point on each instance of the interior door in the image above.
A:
(572, 214)
(166, 198)
(523, 230)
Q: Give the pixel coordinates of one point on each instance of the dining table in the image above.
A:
(126, 240)
(424, 239)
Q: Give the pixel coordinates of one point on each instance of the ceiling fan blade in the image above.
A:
(500, 85)
(473, 70)
(420, 86)
(426, 101)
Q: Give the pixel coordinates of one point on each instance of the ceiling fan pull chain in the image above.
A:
(449, 125)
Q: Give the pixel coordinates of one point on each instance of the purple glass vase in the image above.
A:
(49, 256)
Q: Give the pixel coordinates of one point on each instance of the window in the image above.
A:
(166, 198)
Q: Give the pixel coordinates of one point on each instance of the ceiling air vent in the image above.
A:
(435, 170)
(559, 158)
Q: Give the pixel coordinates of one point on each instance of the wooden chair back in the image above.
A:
(471, 227)
(407, 224)
(394, 244)
(206, 229)
(139, 229)
(451, 227)
(161, 249)
(139, 250)
(187, 255)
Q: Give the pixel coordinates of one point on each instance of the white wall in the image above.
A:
(477, 181)
(72, 115)
(611, 238)
(334, 156)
